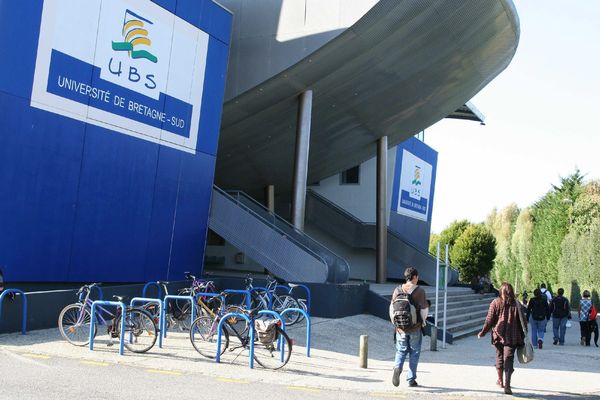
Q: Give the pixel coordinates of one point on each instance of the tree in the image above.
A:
(449, 236)
(521, 243)
(473, 252)
(502, 225)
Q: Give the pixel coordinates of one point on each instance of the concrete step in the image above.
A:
(467, 332)
(462, 304)
(476, 309)
(466, 317)
(475, 323)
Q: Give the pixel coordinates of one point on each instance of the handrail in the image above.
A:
(147, 285)
(281, 342)
(324, 200)
(337, 208)
(220, 331)
(160, 311)
(4, 294)
(163, 320)
(246, 298)
(282, 220)
(271, 225)
(308, 323)
(93, 321)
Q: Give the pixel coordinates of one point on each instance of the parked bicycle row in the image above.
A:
(254, 319)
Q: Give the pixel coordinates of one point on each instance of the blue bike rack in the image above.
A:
(246, 292)
(220, 331)
(16, 291)
(93, 321)
(160, 311)
(281, 343)
(308, 296)
(307, 325)
(100, 293)
(147, 285)
(267, 291)
(163, 320)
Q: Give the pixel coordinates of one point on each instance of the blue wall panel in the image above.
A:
(19, 33)
(163, 214)
(413, 230)
(114, 206)
(84, 203)
(41, 159)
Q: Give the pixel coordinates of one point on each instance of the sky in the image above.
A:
(541, 116)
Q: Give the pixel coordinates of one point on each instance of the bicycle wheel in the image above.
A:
(284, 302)
(268, 354)
(184, 316)
(74, 326)
(154, 311)
(239, 324)
(140, 330)
(203, 335)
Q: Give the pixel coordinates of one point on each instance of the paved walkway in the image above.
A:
(463, 370)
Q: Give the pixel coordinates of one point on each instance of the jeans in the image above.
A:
(538, 328)
(559, 327)
(408, 344)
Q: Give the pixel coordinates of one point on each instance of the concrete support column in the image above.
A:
(381, 220)
(270, 198)
(301, 159)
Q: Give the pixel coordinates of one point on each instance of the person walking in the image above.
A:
(561, 313)
(538, 314)
(546, 292)
(408, 340)
(584, 311)
(507, 333)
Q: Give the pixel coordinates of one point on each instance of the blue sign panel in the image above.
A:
(413, 190)
(108, 136)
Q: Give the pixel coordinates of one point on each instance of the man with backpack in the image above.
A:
(546, 292)
(408, 313)
(561, 312)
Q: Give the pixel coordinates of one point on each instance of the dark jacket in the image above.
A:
(560, 308)
(504, 322)
(538, 308)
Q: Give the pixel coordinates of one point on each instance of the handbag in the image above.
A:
(524, 352)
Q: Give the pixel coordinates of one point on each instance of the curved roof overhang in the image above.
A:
(401, 68)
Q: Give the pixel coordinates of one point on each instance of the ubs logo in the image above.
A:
(138, 46)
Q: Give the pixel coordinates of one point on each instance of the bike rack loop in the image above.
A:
(160, 311)
(163, 324)
(4, 294)
(267, 291)
(308, 296)
(147, 285)
(220, 331)
(93, 321)
(246, 292)
(307, 317)
(100, 293)
(278, 316)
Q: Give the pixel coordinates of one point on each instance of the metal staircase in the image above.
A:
(273, 242)
(337, 222)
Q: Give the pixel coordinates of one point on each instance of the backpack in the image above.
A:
(539, 309)
(404, 313)
(267, 330)
(560, 307)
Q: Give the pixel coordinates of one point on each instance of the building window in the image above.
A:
(350, 176)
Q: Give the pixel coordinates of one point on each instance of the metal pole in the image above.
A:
(270, 197)
(301, 159)
(363, 351)
(445, 298)
(381, 220)
(433, 344)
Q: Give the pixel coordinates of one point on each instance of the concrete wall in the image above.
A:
(359, 200)
(272, 35)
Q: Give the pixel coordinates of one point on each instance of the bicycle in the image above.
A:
(203, 335)
(178, 312)
(280, 302)
(75, 319)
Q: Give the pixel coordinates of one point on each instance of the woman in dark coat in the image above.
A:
(507, 333)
